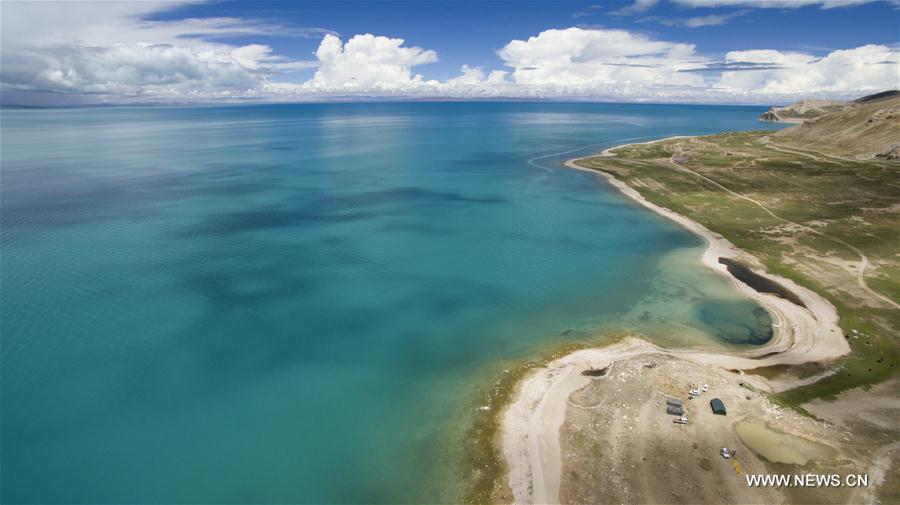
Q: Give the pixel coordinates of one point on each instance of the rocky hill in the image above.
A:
(866, 128)
(801, 111)
(878, 96)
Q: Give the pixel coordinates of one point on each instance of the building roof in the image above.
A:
(673, 401)
(718, 406)
(675, 410)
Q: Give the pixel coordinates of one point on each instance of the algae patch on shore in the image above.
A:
(759, 282)
(778, 447)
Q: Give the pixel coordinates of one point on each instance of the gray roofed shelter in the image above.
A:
(717, 406)
(673, 402)
(674, 410)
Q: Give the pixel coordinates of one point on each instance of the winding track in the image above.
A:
(864, 260)
(881, 464)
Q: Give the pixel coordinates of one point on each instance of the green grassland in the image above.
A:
(844, 200)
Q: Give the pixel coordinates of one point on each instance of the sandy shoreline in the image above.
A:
(790, 120)
(801, 335)
(531, 423)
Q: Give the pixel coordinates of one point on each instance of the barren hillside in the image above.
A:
(862, 130)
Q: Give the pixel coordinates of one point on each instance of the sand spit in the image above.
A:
(619, 445)
(801, 335)
(531, 423)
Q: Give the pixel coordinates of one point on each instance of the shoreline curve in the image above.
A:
(529, 435)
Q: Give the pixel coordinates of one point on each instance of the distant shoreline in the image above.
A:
(530, 424)
(789, 120)
(336, 101)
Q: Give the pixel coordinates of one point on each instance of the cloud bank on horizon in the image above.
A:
(115, 53)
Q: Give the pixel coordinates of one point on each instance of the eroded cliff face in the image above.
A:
(770, 115)
(891, 154)
(802, 110)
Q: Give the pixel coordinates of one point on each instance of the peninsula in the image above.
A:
(804, 221)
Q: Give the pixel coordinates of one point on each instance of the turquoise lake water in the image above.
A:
(295, 303)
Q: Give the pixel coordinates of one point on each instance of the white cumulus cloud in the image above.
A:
(368, 63)
(600, 62)
(845, 72)
(111, 52)
(141, 69)
(774, 4)
(108, 51)
(475, 75)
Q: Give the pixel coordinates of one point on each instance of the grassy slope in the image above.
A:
(855, 201)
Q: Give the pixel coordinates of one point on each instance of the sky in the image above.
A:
(663, 51)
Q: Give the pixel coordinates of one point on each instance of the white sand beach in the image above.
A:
(531, 423)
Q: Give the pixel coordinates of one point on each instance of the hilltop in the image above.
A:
(878, 96)
(804, 110)
(800, 111)
(866, 128)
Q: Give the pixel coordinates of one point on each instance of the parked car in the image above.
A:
(680, 420)
(725, 453)
(695, 392)
(705, 388)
